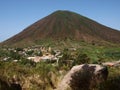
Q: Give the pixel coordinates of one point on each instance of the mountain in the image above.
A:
(62, 25)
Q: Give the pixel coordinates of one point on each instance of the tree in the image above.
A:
(14, 55)
(66, 56)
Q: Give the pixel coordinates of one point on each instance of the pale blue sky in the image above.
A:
(16, 15)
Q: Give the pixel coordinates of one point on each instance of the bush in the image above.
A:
(30, 52)
(113, 82)
(27, 62)
(82, 59)
(14, 55)
(19, 49)
(65, 58)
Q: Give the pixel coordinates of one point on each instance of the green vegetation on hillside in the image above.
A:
(46, 75)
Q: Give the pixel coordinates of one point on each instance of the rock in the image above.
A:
(83, 77)
(112, 64)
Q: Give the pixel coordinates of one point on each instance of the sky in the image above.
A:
(16, 15)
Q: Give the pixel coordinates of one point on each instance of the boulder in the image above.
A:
(83, 77)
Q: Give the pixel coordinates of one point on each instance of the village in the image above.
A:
(39, 53)
(34, 53)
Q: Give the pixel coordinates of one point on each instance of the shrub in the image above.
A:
(14, 55)
(65, 58)
(30, 52)
(82, 59)
(27, 62)
(113, 80)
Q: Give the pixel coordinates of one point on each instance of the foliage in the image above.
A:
(64, 60)
(19, 49)
(14, 55)
(113, 80)
(52, 52)
(30, 52)
(3, 53)
(23, 70)
(84, 53)
(38, 53)
(27, 62)
(82, 59)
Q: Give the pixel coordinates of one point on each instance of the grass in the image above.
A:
(45, 76)
(113, 80)
(37, 76)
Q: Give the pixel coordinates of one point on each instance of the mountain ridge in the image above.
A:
(66, 24)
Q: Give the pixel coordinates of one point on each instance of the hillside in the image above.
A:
(61, 25)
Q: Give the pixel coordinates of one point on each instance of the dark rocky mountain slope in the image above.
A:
(61, 25)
